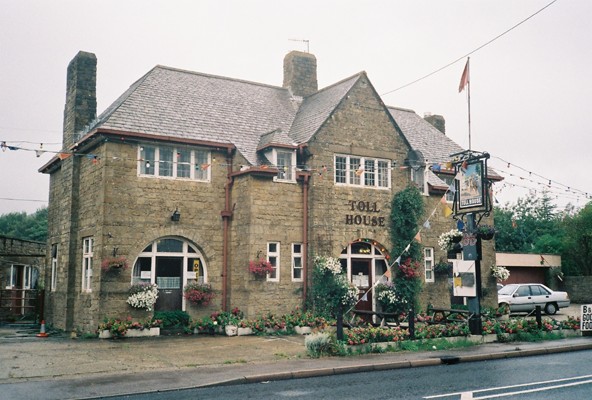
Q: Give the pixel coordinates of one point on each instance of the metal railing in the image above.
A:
(21, 304)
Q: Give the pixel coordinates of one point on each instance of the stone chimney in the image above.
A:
(437, 121)
(300, 73)
(81, 95)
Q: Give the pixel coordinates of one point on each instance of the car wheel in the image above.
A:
(550, 308)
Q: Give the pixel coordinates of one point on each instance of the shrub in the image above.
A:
(172, 319)
(318, 344)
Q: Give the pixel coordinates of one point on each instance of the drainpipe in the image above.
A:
(226, 215)
(304, 237)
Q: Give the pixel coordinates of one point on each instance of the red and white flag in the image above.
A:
(464, 79)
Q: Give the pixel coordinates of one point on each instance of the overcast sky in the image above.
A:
(531, 89)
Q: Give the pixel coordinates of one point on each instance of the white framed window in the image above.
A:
(87, 259)
(273, 256)
(450, 182)
(285, 162)
(418, 177)
(174, 163)
(54, 267)
(362, 171)
(297, 269)
(428, 262)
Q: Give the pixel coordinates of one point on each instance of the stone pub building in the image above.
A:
(187, 169)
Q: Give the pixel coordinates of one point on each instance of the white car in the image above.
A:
(526, 296)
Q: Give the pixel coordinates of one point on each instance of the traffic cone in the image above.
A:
(42, 332)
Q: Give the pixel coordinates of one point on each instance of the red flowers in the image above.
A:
(261, 267)
(409, 269)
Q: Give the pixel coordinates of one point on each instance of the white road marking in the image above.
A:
(553, 381)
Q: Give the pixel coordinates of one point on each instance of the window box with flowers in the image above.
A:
(114, 264)
(198, 293)
(143, 295)
(260, 268)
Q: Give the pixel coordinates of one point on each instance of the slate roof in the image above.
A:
(187, 105)
(423, 136)
(180, 104)
(435, 146)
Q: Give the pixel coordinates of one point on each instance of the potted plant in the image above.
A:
(143, 295)
(114, 264)
(486, 232)
(260, 268)
(198, 293)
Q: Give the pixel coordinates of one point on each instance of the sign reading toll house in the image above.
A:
(364, 213)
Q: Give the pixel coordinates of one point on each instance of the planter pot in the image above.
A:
(105, 334)
(244, 331)
(143, 332)
(231, 330)
(303, 330)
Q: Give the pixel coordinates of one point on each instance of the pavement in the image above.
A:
(59, 367)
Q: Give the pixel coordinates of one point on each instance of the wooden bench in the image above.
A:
(447, 315)
(383, 316)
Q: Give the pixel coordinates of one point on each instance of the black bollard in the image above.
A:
(539, 321)
(340, 322)
(411, 323)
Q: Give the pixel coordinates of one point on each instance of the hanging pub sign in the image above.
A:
(471, 184)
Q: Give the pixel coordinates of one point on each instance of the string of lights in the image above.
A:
(536, 181)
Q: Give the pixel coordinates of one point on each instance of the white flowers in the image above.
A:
(446, 239)
(143, 295)
(391, 297)
(330, 264)
(500, 273)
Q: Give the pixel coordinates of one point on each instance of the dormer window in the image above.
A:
(285, 162)
(419, 178)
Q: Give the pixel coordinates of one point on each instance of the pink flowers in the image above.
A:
(409, 269)
(199, 293)
(261, 267)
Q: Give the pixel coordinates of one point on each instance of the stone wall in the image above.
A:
(578, 288)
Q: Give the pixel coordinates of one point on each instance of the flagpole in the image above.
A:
(469, 96)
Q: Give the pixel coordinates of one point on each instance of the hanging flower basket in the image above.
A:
(447, 240)
(443, 268)
(198, 293)
(260, 268)
(114, 264)
(486, 232)
(500, 273)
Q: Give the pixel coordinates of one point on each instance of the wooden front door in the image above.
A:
(361, 271)
(169, 277)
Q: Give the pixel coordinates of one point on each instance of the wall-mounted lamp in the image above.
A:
(176, 216)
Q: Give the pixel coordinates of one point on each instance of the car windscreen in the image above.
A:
(507, 290)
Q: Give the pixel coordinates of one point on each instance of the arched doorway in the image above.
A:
(171, 263)
(366, 262)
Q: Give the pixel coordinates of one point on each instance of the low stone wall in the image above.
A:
(578, 288)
